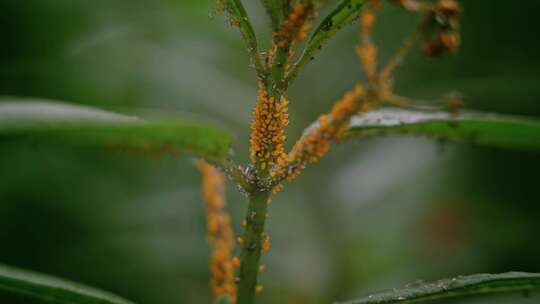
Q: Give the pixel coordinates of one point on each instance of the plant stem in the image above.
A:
(238, 13)
(251, 246)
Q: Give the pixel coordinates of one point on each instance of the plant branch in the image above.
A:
(244, 178)
(276, 10)
(291, 31)
(252, 245)
(411, 104)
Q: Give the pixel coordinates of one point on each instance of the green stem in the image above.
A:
(251, 247)
(275, 9)
(238, 13)
(276, 85)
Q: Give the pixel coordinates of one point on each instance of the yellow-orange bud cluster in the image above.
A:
(295, 27)
(220, 234)
(316, 143)
(268, 130)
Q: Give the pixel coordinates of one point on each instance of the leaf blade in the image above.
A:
(73, 124)
(345, 13)
(456, 287)
(470, 127)
(238, 13)
(48, 289)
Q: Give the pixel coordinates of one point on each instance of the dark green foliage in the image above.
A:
(456, 287)
(502, 131)
(46, 289)
(64, 123)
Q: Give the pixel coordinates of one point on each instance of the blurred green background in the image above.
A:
(374, 214)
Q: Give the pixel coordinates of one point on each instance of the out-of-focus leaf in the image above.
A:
(47, 289)
(64, 123)
(341, 16)
(470, 127)
(457, 287)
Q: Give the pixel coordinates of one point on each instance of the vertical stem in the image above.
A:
(251, 247)
(277, 72)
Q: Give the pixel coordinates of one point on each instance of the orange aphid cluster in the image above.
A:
(295, 27)
(316, 143)
(368, 57)
(268, 130)
(367, 51)
(220, 234)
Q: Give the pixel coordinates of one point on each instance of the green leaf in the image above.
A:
(470, 127)
(457, 287)
(47, 289)
(344, 14)
(238, 14)
(64, 123)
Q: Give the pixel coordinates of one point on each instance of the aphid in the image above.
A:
(234, 22)
(235, 262)
(240, 240)
(266, 244)
(219, 8)
(259, 288)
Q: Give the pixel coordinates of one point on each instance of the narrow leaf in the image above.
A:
(81, 125)
(457, 287)
(470, 127)
(239, 16)
(47, 289)
(346, 12)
